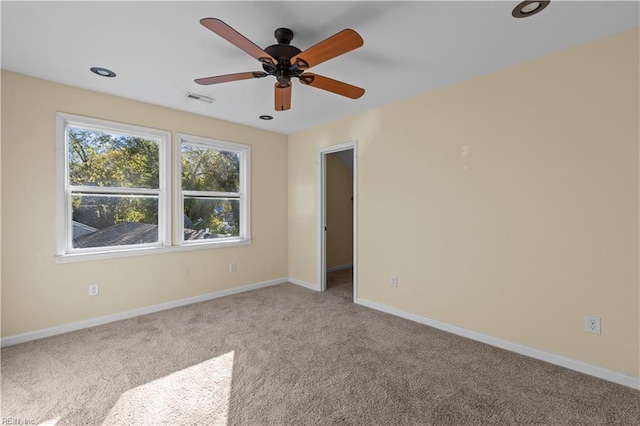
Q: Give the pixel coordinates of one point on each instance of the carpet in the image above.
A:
(286, 355)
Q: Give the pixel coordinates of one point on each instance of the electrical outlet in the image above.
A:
(232, 267)
(394, 281)
(94, 289)
(592, 324)
(301, 261)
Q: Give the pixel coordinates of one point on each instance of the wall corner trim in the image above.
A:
(92, 322)
(562, 361)
(304, 284)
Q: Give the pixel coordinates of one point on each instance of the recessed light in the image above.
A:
(103, 72)
(266, 117)
(529, 8)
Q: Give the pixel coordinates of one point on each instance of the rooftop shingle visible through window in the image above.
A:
(125, 233)
(129, 233)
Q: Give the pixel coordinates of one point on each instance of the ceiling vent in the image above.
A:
(200, 98)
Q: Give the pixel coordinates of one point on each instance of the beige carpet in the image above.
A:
(286, 355)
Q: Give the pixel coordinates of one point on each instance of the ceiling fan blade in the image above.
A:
(336, 45)
(237, 39)
(283, 97)
(230, 77)
(331, 85)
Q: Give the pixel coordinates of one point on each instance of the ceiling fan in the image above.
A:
(286, 62)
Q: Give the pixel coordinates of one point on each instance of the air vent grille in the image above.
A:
(200, 98)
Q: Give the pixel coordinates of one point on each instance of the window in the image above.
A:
(112, 186)
(114, 191)
(213, 191)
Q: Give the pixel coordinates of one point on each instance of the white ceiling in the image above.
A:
(157, 49)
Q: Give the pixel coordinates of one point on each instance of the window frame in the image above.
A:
(64, 190)
(244, 192)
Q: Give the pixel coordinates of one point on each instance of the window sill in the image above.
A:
(84, 257)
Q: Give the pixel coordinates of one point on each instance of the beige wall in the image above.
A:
(0, 208)
(38, 293)
(339, 212)
(535, 227)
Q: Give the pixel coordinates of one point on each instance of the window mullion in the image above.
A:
(211, 194)
(112, 190)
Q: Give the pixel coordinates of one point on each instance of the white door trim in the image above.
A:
(322, 212)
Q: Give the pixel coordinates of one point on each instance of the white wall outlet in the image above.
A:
(394, 281)
(592, 324)
(232, 267)
(301, 261)
(94, 289)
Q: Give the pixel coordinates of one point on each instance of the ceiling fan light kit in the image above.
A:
(529, 8)
(284, 61)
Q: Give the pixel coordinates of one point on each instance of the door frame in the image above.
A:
(322, 212)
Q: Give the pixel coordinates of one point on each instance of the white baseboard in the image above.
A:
(340, 267)
(580, 366)
(303, 284)
(92, 322)
(572, 364)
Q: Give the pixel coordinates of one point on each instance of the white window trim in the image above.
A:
(64, 251)
(245, 193)
(166, 204)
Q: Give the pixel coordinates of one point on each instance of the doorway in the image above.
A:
(337, 224)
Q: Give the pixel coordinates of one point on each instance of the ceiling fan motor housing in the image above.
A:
(282, 52)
